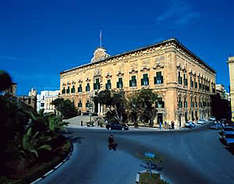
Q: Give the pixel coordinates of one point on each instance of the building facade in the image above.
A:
(231, 74)
(222, 92)
(31, 99)
(44, 100)
(181, 79)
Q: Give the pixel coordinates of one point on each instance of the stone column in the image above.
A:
(99, 109)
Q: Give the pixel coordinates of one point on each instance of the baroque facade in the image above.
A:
(182, 80)
(231, 72)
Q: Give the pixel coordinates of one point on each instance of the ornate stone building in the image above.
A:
(182, 80)
(231, 72)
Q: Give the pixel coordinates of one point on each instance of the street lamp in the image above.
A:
(90, 106)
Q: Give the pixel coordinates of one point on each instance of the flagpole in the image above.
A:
(100, 38)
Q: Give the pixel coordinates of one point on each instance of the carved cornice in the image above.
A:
(120, 74)
(87, 80)
(158, 66)
(144, 69)
(133, 71)
(108, 75)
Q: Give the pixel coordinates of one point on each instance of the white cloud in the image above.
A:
(179, 12)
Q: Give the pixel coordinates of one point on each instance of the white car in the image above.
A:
(201, 121)
(212, 119)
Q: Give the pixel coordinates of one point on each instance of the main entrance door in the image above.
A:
(160, 118)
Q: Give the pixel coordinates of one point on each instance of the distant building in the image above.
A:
(44, 100)
(31, 99)
(222, 92)
(231, 74)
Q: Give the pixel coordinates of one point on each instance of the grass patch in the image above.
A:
(146, 178)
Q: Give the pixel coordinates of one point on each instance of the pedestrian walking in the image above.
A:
(111, 143)
(81, 123)
(160, 125)
(172, 124)
(165, 124)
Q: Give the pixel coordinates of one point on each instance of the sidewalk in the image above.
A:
(130, 128)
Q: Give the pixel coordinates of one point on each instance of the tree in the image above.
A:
(5, 80)
(142, 105)
(65, 107)
(116, 102)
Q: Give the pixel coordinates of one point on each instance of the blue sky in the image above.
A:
(41, 38)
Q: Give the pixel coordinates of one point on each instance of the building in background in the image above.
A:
(44, 100)
(231, 75)
(222, 92)
(182, 80)
(31, 99)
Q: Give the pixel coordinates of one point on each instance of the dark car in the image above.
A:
(116, 126)
(190, 124)
(216, 126)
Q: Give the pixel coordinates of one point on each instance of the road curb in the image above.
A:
(56, 167)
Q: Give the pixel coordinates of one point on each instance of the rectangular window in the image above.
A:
(160, 103)
(185, 103)
(63, 91)
(195, 84)
(185, 80)
(87, 104)
(108, 84)
(73, 89)
(145, 80)
(79, 104)
(96, 85)
(179, 78)
(68, 89)
(87, 88)
(119, 83)
(80, 88)
(133, 82)
(180, 103)
(158, 79)
(191, 82)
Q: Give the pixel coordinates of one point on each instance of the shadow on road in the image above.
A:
(231, 150)
(76, 139)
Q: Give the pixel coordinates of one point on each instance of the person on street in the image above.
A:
(111, 143)
(172, 124)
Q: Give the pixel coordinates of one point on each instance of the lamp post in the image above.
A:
(90, 110)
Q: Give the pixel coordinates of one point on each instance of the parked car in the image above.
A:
(190, 124)
(201, 121)
(228, 138)
(225, 131)
(212, 119)
(116, 126)
(216, 126)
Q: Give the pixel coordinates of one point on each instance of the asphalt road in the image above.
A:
(189, 157)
